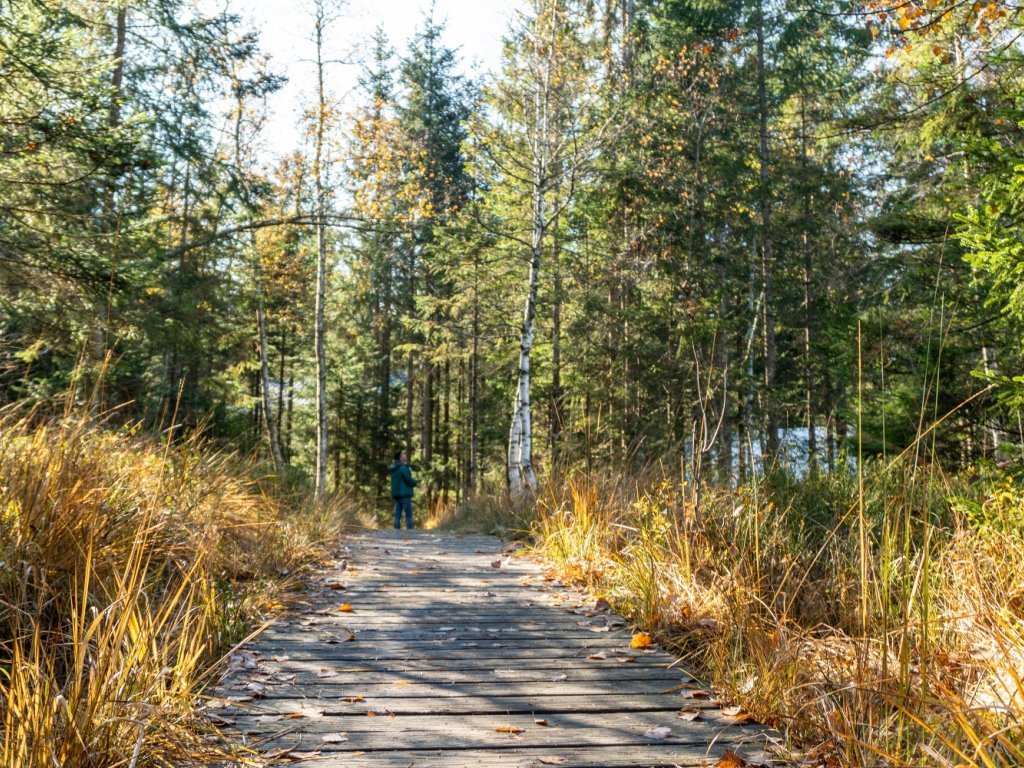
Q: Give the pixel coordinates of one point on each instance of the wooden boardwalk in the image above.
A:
(455, 653)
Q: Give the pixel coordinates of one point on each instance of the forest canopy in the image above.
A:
(727, 234)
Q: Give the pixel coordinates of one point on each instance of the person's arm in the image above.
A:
(407, 476)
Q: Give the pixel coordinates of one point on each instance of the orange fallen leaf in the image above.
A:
(351, 699)
(731, 760)
(345, 607)
(509, 729)
(336, 585)
(401, 682)
(641, 640)
(540, 722)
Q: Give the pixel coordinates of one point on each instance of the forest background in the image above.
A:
(753, 227)
(745, 273)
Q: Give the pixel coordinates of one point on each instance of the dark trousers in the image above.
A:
(405, 503)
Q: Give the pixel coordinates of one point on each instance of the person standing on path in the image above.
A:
(402, 483)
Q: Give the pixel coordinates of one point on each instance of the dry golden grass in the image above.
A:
(128, 566)
(877, 628)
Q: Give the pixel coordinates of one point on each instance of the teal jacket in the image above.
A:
(401, 481)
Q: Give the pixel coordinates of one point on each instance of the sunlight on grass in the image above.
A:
(763, 590)
(128, 566)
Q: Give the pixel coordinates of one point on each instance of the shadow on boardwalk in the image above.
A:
(455, 653)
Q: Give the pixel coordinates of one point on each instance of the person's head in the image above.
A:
(401, 457)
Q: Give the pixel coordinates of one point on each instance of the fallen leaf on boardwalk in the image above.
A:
(626, 659)
(351, 699)
(658, 732)
(552, 760)
(641, 640)
(336, 585)
(402, 682)
(731, 760)
(597, 656)
(600, 629)
(267, 718)
(312, 714)
(737, 715)
(509, 729)
(602, 605)
(380, 713)
(699, 693)
(334, 738)
(559, 678)
(689, 714)
(496, 564)
(446, 629)
(326, 673)
(540, 722)
(345, 607)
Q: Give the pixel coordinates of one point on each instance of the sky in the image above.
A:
(473, 27)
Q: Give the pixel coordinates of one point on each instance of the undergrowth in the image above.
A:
(128, 566)
(883, 626)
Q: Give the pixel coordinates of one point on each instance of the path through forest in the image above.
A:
(423, 649)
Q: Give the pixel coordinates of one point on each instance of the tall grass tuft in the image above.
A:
(128, 565)
(880, 623)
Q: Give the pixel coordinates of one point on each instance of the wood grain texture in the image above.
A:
(438, 651)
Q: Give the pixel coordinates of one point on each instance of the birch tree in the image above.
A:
(321, 21)
(550, 125)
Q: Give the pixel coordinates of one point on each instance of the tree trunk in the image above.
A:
(520, 440)
(268, 417)
(767, 266)
(557, 396)
(805, 241)
(279, 416)
(320, 486)
(472, 475)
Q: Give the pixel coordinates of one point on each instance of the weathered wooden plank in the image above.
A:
(434, 688)
(484, 652)
(474, 704)
(316, 639)
(653, 756)
(469, 732)
(388, 673)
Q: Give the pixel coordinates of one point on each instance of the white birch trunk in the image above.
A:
(321, 266)
(520, 440)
